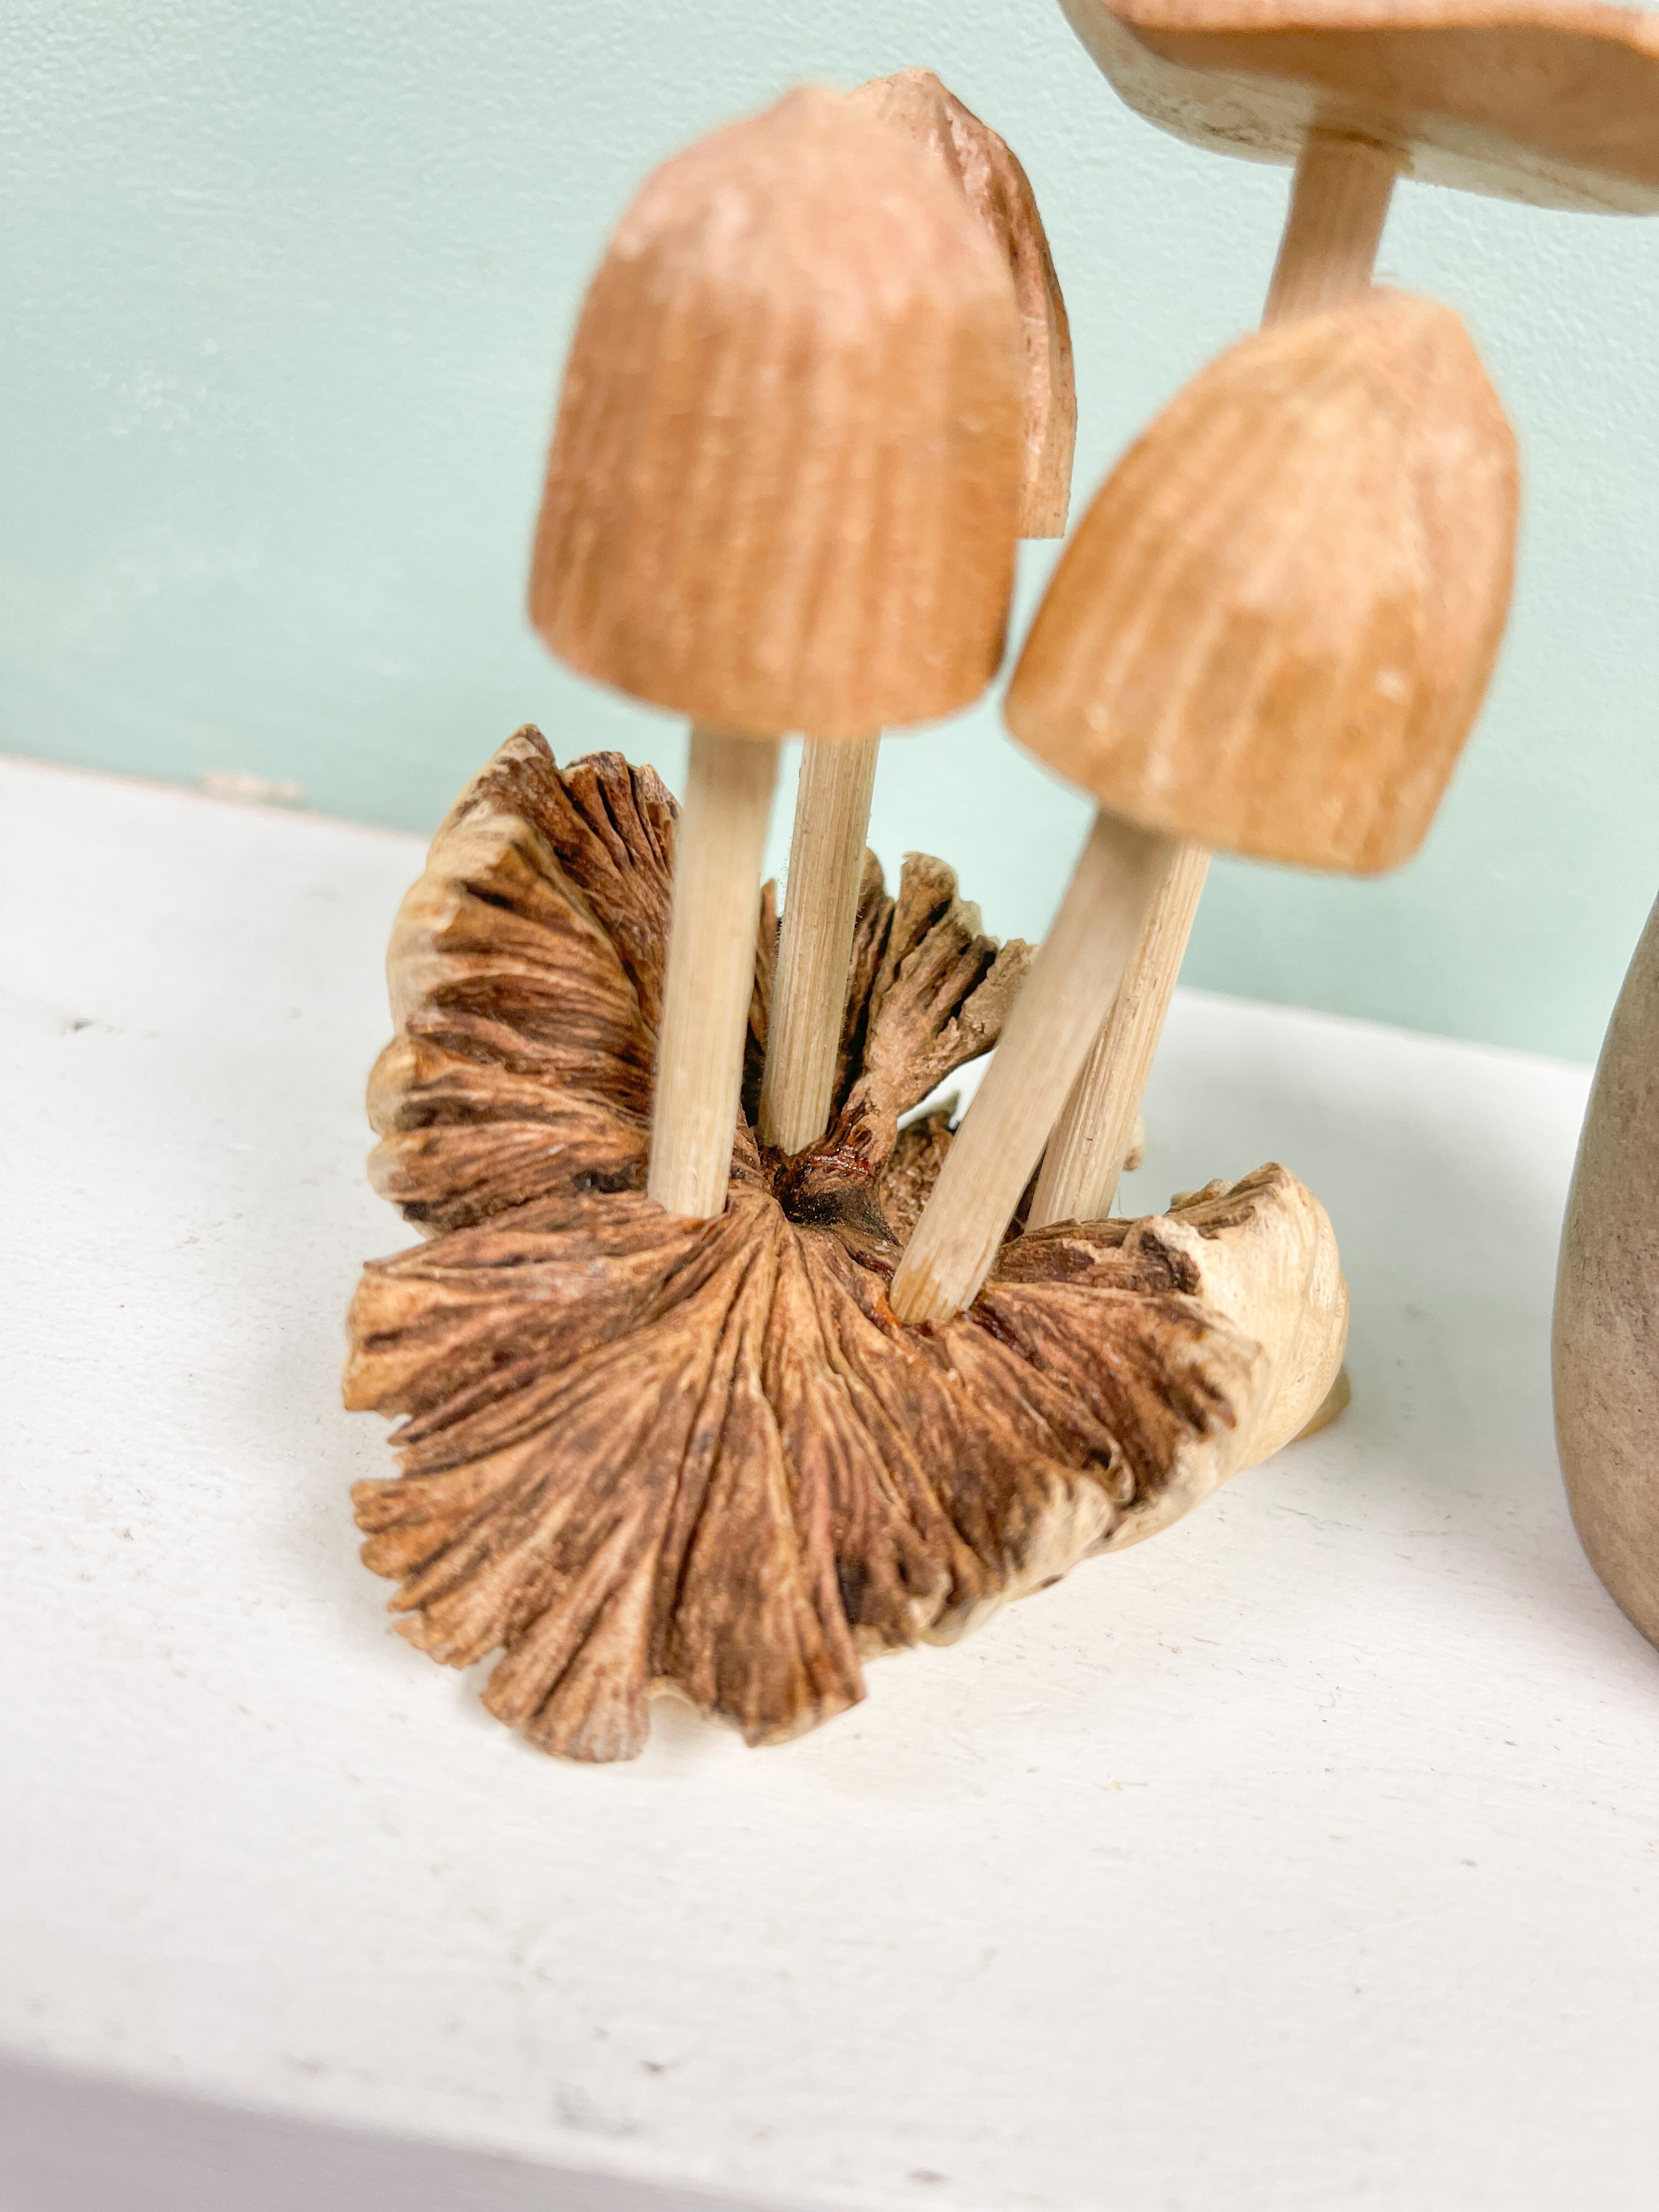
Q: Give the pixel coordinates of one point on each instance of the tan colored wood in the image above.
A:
(1055, 1019)
(784, 478)
(1300, 1318)
(711, 967)
(826, 866)
(1335, 1402)
(1541, 102)
(832, 816)
(1339, 204)
(1274, 627)
(782, 493)
(1137, 1151)
(1529, 100)
(985, 169)
(642, 1454)
(1093, 1138)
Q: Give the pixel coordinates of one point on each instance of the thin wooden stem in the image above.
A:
(1338, 203)
(711, 970)
(1085, 1155)
(1056, 1017)
(820, 910)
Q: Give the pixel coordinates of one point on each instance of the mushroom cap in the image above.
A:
(982, 165)
(1273, 630)
(1552, 102)
(784, 481)
(644, 1453)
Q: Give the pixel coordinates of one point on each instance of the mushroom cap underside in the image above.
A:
(1554, 104)
(643, 1454)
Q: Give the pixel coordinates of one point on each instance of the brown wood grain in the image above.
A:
(642, 1452)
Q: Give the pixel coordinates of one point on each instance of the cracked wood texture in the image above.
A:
(640, 1453)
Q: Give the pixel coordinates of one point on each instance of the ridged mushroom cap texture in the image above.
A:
(1273, 630)
(641, 1454)
(984, 168)
(1525, 100)
(783, 491)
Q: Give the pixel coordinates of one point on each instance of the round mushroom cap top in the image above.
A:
(1274, 627)
(784, 482)
(982, 165)
(1552, 102)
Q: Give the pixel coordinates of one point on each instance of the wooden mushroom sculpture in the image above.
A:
(1525, 100)
(661, 1429)
(782, 494)
(642, 1452)
(832, 806)
(1272, 632)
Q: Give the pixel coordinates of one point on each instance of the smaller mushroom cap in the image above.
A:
(982, 165)
(1273, 630)
(1552, 102)
(784, 481)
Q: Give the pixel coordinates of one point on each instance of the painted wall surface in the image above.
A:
(286, 289)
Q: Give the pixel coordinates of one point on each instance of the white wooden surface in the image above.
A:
(1308, 1856)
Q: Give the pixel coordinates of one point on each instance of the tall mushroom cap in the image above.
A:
(784, 481)
(984, 167)
(1273, 630)
(1552, 102)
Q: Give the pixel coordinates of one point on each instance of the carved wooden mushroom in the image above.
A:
(987, 172)
(645, 1453)
(782, 494)
(1524, 99)
(832, 804)
(1271, 632)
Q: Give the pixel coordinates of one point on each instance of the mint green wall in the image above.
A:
(286, 286)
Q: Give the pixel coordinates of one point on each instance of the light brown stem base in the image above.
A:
(820, 910)
(1057, 1018)
(1086, 1153)
(711, 970)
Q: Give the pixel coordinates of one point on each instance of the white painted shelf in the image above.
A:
(1308, 1855)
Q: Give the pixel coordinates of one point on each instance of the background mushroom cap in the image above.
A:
(784, 481)
(1526, 100)
(983, 167)
(1274, 627)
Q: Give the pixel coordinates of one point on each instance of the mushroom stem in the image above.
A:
(820, 910)
(1057, 1016)
(1085, 1156)
(711, 970)
(1338, 203)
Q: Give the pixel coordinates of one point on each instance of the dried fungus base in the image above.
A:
(644, 1454)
